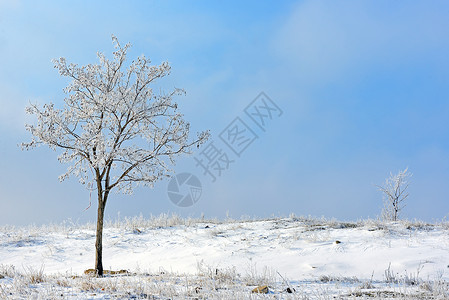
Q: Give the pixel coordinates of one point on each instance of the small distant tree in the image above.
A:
(395, 193)
(114, 130)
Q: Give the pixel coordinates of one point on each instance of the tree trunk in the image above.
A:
(102, 199)
(99, 240)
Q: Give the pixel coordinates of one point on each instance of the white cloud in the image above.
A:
(12, 109)
(324, 40)
(9, 4)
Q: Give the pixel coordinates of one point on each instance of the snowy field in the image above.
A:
(168, 257)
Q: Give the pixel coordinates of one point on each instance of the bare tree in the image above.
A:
(395, 193)
(114, 131)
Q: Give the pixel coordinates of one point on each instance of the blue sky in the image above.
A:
(363, 86)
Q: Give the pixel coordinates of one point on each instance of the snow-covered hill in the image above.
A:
(311, 256)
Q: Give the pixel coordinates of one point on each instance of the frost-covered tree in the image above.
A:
(114, 131)
(395, 193)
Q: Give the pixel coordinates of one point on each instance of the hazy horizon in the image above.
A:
(361, 87)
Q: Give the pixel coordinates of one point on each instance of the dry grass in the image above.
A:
(209, 283)
(213, 282)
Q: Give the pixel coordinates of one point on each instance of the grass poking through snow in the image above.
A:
(168, 257)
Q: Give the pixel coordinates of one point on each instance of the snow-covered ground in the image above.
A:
(174, 258)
